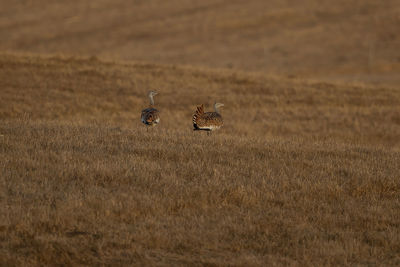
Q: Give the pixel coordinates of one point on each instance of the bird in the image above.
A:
(207, 121)
(151, 116)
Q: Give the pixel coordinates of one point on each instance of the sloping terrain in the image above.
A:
(302, 173)
(341, 40)
(86, 89)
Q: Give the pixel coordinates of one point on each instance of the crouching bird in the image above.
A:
(207, 121)
(151, 116)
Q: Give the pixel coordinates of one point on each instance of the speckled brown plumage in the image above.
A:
(207, 121)
(150, 116)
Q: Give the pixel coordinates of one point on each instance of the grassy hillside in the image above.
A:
(82, 90)
(303, 172)
(342, 40)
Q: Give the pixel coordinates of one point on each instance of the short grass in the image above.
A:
(302, 173)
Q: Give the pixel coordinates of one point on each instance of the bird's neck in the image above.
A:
(216, 109)
(151, 100)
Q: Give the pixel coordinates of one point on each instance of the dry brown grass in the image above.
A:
(356, 40)
(302, 173)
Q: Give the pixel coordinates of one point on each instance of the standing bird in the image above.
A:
(150, 115)
(207, 121)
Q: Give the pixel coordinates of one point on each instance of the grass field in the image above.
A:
(345, 40)
(304, 172)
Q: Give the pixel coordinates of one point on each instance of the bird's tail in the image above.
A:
(197, 114)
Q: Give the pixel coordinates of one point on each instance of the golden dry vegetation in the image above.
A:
(351, 40)
(304, 172)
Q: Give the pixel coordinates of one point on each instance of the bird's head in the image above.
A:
(218, 105)
(152, 93)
